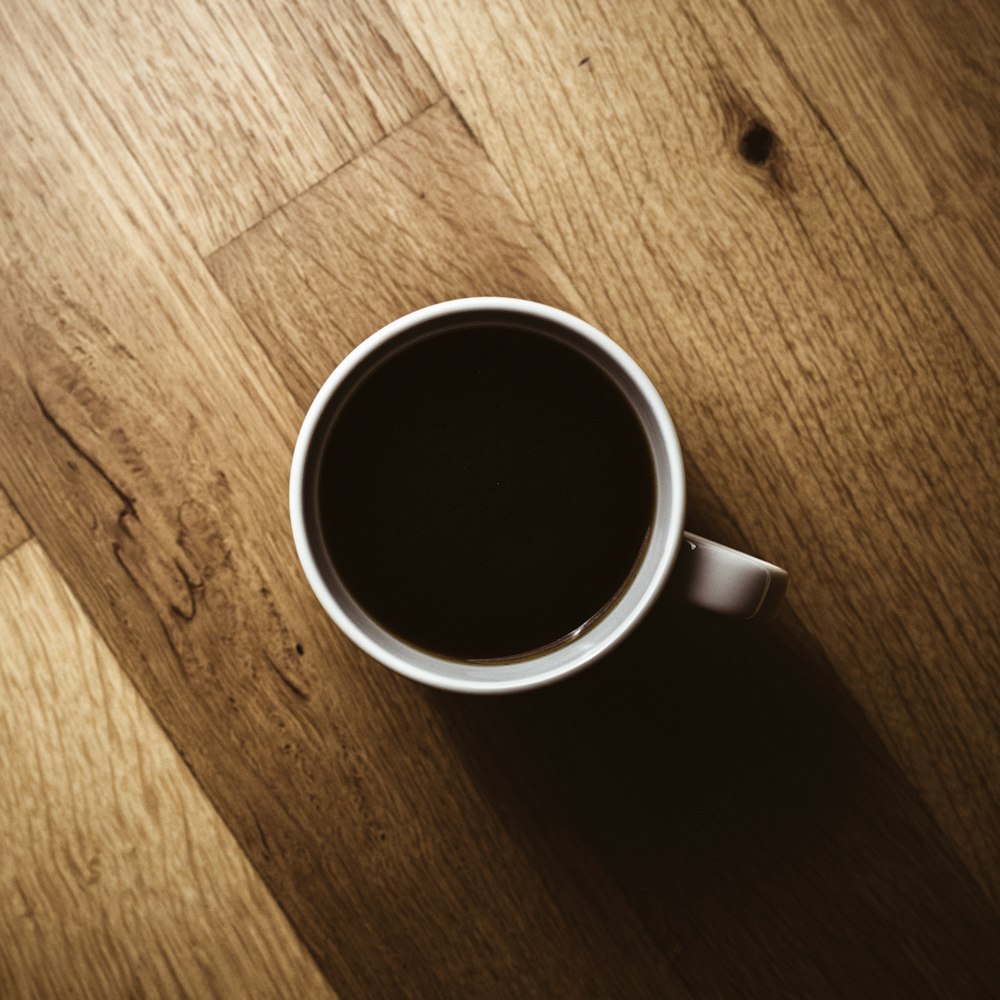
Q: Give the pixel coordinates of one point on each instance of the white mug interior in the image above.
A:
(593, 640)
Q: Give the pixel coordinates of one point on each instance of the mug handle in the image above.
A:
(718, 578)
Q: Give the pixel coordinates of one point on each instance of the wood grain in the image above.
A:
(435, 222)
(117, 876)
(821, 386)
(721, 775)
(706, 813)
(231, 111)
(910, 92)
(13, 530)
(159, 437)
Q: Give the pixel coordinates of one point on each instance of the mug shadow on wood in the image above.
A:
(697, 733)
(728, 783)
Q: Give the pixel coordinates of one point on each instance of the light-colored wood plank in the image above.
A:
(117, 876)
(910, 90)
(13, 530)
(231, 111)
(725, 779)
(820, 385)
(149, 436)
(433, 224)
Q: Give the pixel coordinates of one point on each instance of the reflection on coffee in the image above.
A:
(485, 492)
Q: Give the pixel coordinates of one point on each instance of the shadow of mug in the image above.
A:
(697, 732)
(722, 775)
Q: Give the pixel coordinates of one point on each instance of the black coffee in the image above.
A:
(485, 492)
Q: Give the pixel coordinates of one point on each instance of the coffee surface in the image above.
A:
(485, 492)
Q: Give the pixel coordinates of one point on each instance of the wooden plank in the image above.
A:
(118, 877)
(231, 112)
(724, 777)
(13, 531)
(821, 386)
(419, 220)
(910, 92)
(149, 436)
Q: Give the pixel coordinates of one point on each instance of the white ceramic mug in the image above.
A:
(716, 577)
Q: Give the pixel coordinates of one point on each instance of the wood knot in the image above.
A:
(757, 144)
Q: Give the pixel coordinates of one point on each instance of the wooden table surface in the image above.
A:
(787, 212)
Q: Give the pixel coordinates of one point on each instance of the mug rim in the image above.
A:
(554, 664)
